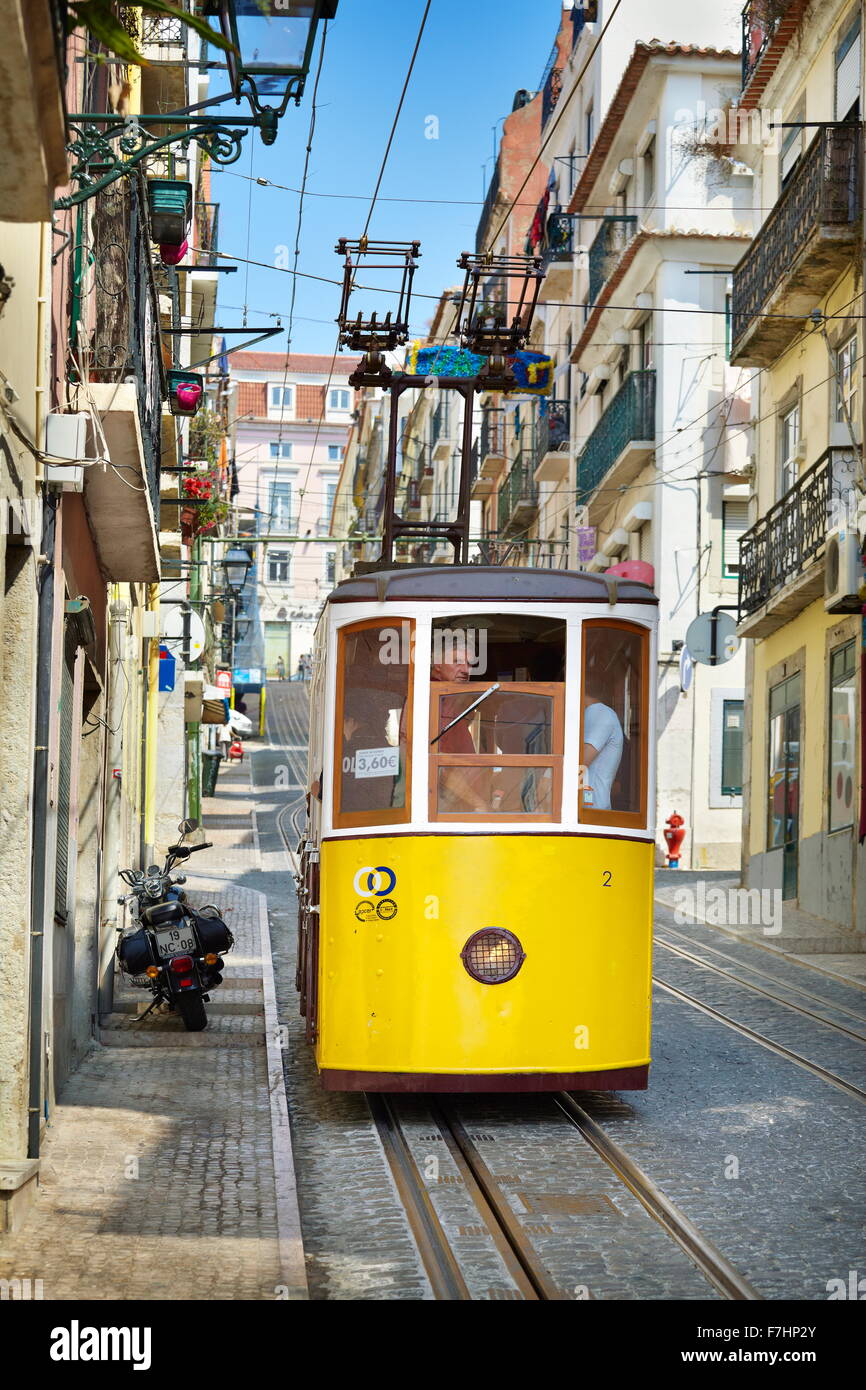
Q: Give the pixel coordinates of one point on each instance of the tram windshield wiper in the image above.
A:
(463, 713)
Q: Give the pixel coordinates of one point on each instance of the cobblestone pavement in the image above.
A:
(159, 1176)
(762, 1156)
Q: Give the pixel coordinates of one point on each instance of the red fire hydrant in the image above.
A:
(674, 834)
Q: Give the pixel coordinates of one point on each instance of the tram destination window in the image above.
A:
(496, 718)
(614, 723)
(373, 734)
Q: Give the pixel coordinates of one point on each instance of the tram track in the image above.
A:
(757, 989)
(809, 994)
(847, 1087)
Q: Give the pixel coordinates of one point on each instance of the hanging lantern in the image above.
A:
(170, 210)
(185, 392)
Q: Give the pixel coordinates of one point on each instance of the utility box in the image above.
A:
(193, 695)
(66, 438)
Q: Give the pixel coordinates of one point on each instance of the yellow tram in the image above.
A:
(476, 879)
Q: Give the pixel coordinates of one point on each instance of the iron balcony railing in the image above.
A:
(162, 31)
(630, 415)
(519, 491)
(492, 432)
(823, 191)
(551, 94)
(761, 19)
(552, 430)
(787, 538)
(441, 428)
(559, 241)
(126, 338)
(207, 222)
(611, 240)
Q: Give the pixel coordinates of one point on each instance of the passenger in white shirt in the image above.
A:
(602, 749)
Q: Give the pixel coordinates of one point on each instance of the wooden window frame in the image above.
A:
(633, 820)
(395, 815)
(554, 690)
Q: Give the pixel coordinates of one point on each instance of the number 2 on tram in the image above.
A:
(476, 877)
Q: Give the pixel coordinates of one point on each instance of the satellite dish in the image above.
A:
(700, 639)
(173, 633)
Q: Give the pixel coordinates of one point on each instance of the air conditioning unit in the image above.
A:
(843, 571)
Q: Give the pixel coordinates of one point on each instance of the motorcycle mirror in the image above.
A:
(186, 826)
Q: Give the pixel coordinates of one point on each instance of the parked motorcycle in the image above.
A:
(170, 948)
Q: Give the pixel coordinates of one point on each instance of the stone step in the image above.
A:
(241, 1002)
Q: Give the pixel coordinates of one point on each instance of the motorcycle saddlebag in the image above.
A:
(134, 953)
(213, 934)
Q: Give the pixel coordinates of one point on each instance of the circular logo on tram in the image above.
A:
(364, 911)
(386, 909)
(374, 883)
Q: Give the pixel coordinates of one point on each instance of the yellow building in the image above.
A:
(796, 310)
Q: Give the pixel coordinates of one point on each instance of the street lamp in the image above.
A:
(236, 564)
(272, 47)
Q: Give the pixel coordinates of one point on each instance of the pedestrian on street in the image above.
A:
(281, 669)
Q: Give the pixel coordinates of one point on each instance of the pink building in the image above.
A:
(293, 416)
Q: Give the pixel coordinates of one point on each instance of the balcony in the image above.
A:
(517, 499)
(207, 221)
(781, 557)
(612, 239)
(550, 95)
(552, 441)
(812, 234)
(164, 80)
(441, 430)
(558, 256)
(768, 26)
(412, 503)
(623, 439)
(494, 452)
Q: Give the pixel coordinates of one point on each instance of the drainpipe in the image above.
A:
(110, 883)
(41, 773)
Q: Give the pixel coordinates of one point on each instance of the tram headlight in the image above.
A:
(492, 956)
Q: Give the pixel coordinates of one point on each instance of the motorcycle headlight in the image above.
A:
(153, 887)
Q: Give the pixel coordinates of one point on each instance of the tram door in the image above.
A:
(783, 828)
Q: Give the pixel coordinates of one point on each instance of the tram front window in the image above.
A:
(614, 723)
(371, 782)
(496, 728)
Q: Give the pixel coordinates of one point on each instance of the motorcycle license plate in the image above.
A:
(176, 941)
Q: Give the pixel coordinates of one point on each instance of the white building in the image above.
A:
(293, 416)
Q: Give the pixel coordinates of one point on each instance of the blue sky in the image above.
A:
(473, 58)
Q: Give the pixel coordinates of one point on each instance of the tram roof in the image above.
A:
(489, 583)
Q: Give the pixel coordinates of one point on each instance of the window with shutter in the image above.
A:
(848, 72)
(735, 522)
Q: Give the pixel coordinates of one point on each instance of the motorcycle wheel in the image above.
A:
(193, 1012)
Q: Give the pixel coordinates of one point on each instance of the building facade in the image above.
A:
(797, 326)
(292, 417)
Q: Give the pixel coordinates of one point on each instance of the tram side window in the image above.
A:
(496, 718)
(614, 723)
(374, 679)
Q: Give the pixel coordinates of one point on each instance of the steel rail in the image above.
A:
(437, 1256)
(703, 1254)
(766, 974)
(830, 1077)
(768, 994)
